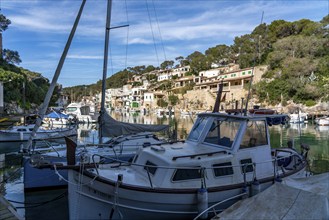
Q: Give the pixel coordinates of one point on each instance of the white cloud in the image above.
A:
(40, 28)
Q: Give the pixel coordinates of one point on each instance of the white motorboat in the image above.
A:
(322, 121)
(299, 117)
(58, 118)
(224, 158)
(23, 133)
(83, 113)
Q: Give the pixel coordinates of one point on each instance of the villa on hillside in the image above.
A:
(130, 98)
(169, 73)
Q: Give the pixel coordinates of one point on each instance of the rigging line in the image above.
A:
(252, 73)
(155, 47)
(157, 21)
(127, 40)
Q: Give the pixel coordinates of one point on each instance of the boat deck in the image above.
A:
(7, 211)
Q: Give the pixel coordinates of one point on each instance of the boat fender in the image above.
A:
(203, 202)
(21, 135)
(255, 187)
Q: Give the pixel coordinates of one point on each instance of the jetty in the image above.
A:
(300, 198)
(7, 210)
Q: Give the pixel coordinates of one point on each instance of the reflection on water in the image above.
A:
(11, 173)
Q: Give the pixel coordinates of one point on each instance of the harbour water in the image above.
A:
(53, 204)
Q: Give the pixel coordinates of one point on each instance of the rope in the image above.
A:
(155, 47)
(37, 204)
(157, 21)
(72, 183)
(127, 36)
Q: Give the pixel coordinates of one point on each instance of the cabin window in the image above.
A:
(223, 169)
(255, 135)
(222, 132)
(246, 166)
(197, 129)
(150, 167)
(21, 129)
(186, 174)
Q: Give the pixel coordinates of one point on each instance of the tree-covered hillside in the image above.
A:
(297, 54)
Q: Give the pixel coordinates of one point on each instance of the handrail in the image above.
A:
(182, 167)
(202, 154)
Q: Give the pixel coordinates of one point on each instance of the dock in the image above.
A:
(303, 198)
(7, 210)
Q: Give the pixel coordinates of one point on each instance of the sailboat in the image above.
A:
(126, 140)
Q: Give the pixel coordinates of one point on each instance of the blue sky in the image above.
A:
(158, 30)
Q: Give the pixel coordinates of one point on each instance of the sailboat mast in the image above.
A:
(50, 91)
(106, 51)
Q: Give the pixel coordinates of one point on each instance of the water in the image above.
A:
(54, 205)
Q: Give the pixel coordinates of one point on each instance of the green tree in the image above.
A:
(198, 62)
(167, 64)
(4, 23)
(173, 99)
(11, 56)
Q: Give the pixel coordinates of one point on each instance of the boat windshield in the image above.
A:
(197, 128)
(223, 132)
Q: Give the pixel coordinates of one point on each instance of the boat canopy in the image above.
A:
(55, 114)
(114, 128)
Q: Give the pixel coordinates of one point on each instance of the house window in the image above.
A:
(186, 174)
(223, 169)
(150, 167)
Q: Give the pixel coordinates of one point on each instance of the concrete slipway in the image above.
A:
(299, 198)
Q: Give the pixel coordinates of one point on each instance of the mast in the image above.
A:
(46, 101)
(106, 46)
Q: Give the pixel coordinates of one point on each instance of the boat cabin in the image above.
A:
(220, 149)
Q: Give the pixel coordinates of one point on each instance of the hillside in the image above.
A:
(297, 54)
(23, 87)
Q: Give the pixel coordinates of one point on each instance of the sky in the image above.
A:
(158, 30)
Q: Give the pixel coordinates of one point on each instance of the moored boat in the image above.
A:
(224, 157)
(23, 133)
(322, 121)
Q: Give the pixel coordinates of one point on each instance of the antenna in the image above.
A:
(253, 69)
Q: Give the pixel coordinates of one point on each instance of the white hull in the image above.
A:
(46, 178)
(9, 136)
(322, 121)
(53, 121)
(100, 199)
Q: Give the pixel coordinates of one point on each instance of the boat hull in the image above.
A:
(45, 178)
(6, 136)
(105, 201)
(322, 121)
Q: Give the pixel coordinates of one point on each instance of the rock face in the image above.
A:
(14, 108)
